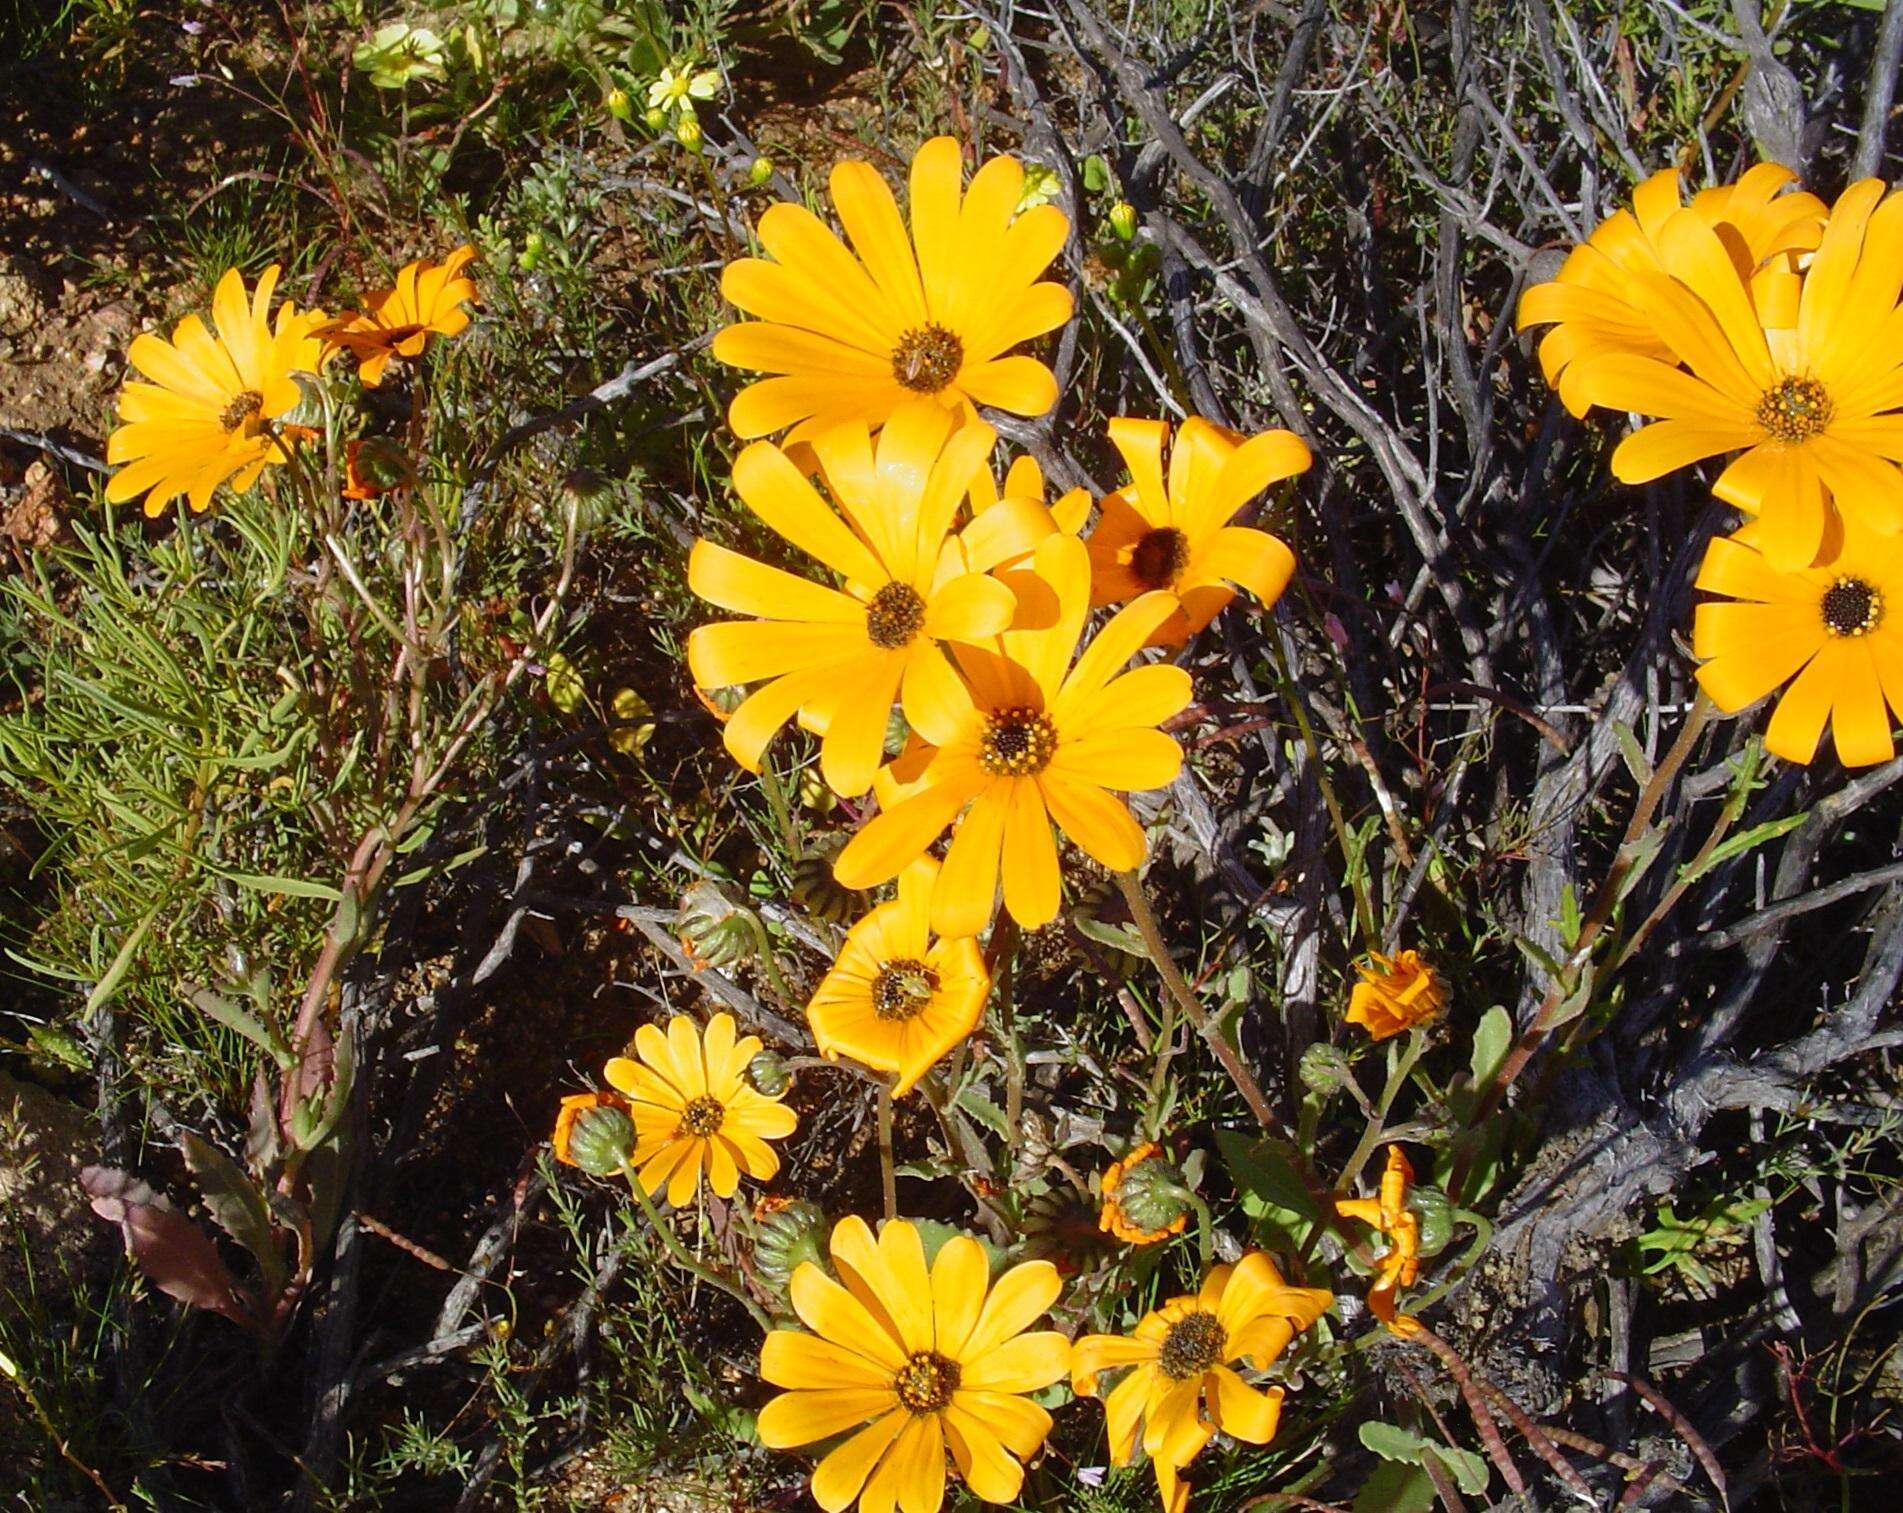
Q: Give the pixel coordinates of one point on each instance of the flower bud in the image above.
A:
(822, 895)
(1323, 1068)
(788, 1233)
(719, 931)
(654, 117)
(1123, 220)
(533, 246)
(620, 104)
(687, 132)
(1146, 1197)
(760, 172)
(593, 1131)
(768, 1074)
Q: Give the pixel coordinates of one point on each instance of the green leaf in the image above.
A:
(1395, 1488)
(1744, 841)
(265, 882)
(1636, 761)
(1469, 1467)
(234, 1202)
(1392, 1442)
(1493, 1038)
(1273, 1193)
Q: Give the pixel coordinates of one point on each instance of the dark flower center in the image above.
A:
(903, 989)
(895, 616)
(1160, 557)
(703, 1116)
(927, 1381)
(1192, 1346)
(243, 409)
(927, 358)
(1795, 409)
(1852, 607)
(1017, 743)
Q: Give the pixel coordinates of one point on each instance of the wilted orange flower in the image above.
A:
(1401, 1266)
(426, 300)
(573, 1107)
(1129, 1197)
(1395, 994)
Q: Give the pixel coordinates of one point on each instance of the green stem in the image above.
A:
(1205, 1230)
(683, 1258)
(888, 1169)
(1399, 1070)
(1185, 997)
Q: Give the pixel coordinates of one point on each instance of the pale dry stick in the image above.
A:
(1878, 93)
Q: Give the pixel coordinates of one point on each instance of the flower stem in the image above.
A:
(888, 1171)
(685, 1260)
(1399, 1070)
(1179, 990)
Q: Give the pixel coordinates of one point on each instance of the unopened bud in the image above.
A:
(1153, 1194)
(620, 105)
(822, 895)
(654, 117)
(687, 132)
(1323, 1068)
(1123, 220)
(760, 172)
(721, 932)
(593, 1131)
(790, 1233)
(768, 1074)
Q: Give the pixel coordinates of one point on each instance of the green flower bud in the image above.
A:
(1123, 220)
(687, 132)
(1153, 1193)
(1323, 1068)
(533, 246)
(601, 1139)
(654, 117)
(822, 895)
(620, 104)
(788, 1234)
(760, 172)
(768, 1074)
(721, 932)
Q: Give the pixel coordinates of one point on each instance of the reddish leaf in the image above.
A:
(174, 1253)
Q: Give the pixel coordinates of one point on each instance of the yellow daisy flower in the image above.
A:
(1811, 407)
(1184, 1387)
(1400, 1267)
(839, 657)
(1033, 736)
(896, 1000)
(1396, 993)
(1588, 302)
(427, 299)
(206, 417)
(852, 334)
(1174, 537)
(913, 1362)
(1833, 634)
(694, 1110)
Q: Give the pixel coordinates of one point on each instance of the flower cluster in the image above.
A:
(1759, 323)
(219, 404)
